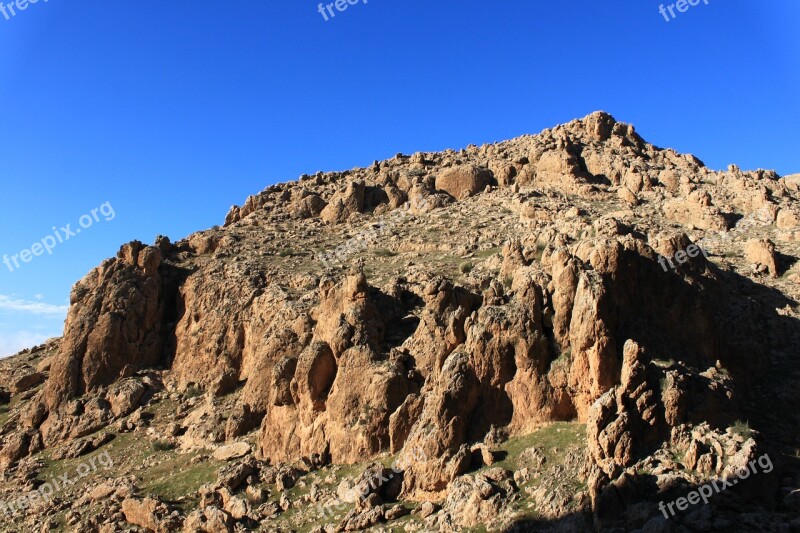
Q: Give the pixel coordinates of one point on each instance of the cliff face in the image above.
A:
(433, 302)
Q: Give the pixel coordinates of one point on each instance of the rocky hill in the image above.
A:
(564, 331)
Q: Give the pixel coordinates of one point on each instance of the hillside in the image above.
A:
(557, 332)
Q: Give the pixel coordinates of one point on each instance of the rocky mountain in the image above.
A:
(564, 331)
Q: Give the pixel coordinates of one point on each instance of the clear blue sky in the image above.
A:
(173, 111)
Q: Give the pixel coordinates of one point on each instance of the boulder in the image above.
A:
(761, 253)
(26, 382)
(231, 451)
(463, 181)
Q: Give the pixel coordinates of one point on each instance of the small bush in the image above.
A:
(162, 446)
(564, 357)
(466, 268)
(742, 429)
(192, 392)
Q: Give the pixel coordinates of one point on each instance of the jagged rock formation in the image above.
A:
(473, 297)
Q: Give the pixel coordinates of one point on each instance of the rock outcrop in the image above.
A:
(477, 296)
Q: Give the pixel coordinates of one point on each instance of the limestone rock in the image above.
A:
(231, 451)
(463, 181)
(761, 253)
(344, 204)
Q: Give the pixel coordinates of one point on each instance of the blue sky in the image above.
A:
(173, 111)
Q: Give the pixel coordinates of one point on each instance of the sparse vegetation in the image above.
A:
(162, 445)
(483, 254)
(742, 428)
(563, 360)
(192, 391)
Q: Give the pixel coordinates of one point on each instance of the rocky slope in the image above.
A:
(557, 331)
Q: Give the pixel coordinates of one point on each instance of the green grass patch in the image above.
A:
(552, 440)
(483, 254)
(177, 477)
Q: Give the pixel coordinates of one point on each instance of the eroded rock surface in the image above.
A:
(477, 297)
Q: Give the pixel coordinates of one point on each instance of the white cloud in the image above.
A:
(15, 342)
(7, 303)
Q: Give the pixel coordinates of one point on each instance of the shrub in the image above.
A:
(742, 429)
(162, 445)
(192, 392)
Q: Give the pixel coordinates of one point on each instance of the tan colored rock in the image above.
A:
(463, 181)
(792, 182)
(761, 253)
(142, 513)
(627, 195)
(124, 396)
(309, 206)
(102, 491)
(231, 451)
(600, 125)
(28, 381)
(336, 376)
(626, 419)
(788, 218)
(694, 213)
(595, 367)
(100, 340)
(470, 501)
(208, 520)
(344, 204)
(203, 243)
(559, 167)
